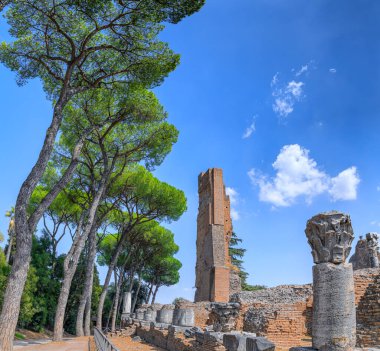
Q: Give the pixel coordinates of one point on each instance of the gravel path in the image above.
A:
(126, 344)
(74, 344)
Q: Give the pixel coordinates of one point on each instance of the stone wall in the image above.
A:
(368, 310)
(175, 340)
(214, 228)
(284, 314)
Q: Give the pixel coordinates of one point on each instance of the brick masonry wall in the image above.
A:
(273, 314)
(368, 308)
(214, 228)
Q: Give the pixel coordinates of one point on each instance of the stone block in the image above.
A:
(150, 315)
(165, 316)
(183, 317)
(236, 341)
(259, 344)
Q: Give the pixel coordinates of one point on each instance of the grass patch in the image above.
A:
(19, 336)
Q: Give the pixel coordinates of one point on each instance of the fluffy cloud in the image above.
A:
(234, 195)
(344, 185)
(297, 175)
(250, 129)
(332, 70)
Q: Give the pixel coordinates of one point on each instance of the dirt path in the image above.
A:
(126, 344)
(74, 344)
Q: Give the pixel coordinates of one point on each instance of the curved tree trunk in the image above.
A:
(23, 234)
(87, 287)
(72, 259)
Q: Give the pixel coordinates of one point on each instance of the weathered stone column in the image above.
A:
(334, 319)
(127, 303)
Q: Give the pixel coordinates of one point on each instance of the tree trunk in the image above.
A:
(23, 233)
(149, 294)
(118, 284)
(88, 280)
(136, 295)
(154, 294)
(109, 315)
(111, 267)
(72, 258)
(87, 317)
(9, 250)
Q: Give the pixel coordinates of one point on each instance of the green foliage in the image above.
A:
(49, 270)
(84, 43)
(28, 308)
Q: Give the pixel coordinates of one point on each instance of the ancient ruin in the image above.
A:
(216, 278)
(340, 311)
(367, 253)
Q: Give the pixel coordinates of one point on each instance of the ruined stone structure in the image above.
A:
(367, 253)
(215, 276)
(334, 316)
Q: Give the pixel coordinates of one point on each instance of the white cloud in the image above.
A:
(285, 96)
(274, 80)
(376, 223)
(332, 70)
(295, 88)
(298, 175)
(302, 70)
(344, 185)
(249, 130)
(233, 194)
(235, 214)
(283, 107)
(378, 188)
(234, 199)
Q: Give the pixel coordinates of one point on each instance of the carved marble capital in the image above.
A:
(330, 236)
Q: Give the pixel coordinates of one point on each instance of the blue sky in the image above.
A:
(283, 95)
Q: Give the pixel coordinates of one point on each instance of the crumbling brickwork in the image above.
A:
(214, 228)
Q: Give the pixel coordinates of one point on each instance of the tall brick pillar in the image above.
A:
(214, 228)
